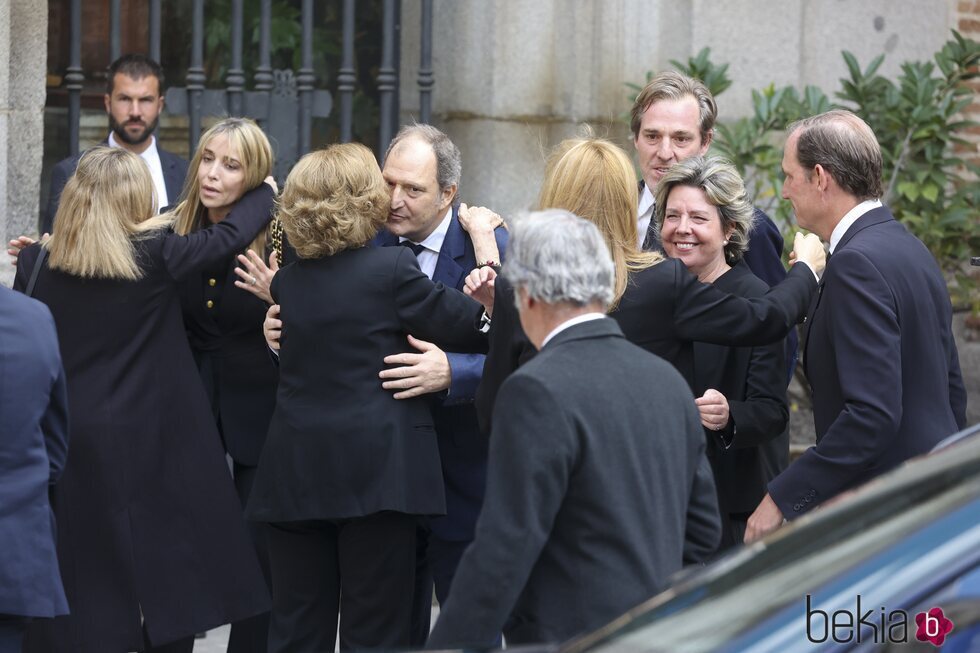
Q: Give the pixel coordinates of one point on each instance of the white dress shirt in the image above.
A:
(850, 218)
(152, 158)
(578, 319)
(432, 244)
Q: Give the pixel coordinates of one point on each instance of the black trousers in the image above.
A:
(361, 571)
(12, 629)
(251, 635)
(436, 561)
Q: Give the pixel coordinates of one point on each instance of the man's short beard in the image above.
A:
(124, 136)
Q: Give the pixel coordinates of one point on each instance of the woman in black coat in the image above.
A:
(704, 218)
(659, 305)
(347, 469)
(224, 322)
(150, 539)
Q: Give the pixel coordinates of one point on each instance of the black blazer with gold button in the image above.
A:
(224, 327)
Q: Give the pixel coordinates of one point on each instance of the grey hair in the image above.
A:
(845, 146)
(723, 187)
(449, 163)
(558, 257)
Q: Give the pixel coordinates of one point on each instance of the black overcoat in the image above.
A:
(148, 522)
(341, 446)
(754, 446)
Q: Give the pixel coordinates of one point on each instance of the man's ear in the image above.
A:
(823, 177)
(707, 142)
(107, 99)
(447, 195)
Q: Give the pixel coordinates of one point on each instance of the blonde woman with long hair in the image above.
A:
(232, 157)
(150, 540)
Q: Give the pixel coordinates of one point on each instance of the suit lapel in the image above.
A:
(869, 219)
(808, 321)
(651, 240)
(450, 268)
(171, 178)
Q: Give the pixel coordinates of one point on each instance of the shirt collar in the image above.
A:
(149, 151)
(433, 241)
(578, 319)
(850, 218)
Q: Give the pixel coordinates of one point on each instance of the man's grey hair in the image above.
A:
(449, 163)
(559, 257)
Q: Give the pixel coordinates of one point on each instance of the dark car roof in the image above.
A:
(891, 542)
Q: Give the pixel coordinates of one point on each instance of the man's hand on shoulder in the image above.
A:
(417, 374)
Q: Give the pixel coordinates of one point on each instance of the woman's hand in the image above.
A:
(480, 286)
(479, 222)
(272, 327)
(713, 409)
(17, 244)
(272, 184)
(477, 219)
(808, 249)
(256, 278)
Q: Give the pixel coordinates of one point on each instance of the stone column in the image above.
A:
(23, 48)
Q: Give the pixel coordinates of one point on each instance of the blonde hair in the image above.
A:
(594, 179)
(334, 199)
(252, 146)
(107, 204)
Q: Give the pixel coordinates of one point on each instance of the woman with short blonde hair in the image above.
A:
(150, 537)
(347, 469)
(321, 221)
(723, 188)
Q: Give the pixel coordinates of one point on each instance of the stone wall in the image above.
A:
(514, 77)
(23, 37)
(967, 23)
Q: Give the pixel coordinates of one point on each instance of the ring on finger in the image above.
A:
(252, 280)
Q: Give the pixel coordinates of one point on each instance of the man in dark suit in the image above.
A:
(422, 167)
(133, 102)
(598, 487)
(878, 348)
(673, 119)
(33, 448)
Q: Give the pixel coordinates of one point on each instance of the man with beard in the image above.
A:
(133, 102)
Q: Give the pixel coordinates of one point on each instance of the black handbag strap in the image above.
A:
(36, 270)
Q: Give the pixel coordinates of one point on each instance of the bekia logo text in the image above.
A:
(875, 625)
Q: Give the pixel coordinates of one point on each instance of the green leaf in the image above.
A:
(909, 189)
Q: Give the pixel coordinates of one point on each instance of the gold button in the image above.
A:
(211, 282)
(210, 304)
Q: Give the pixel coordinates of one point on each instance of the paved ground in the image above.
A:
(217, 639)
(215, 642)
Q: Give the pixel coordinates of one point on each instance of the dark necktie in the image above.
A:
(417, 249)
